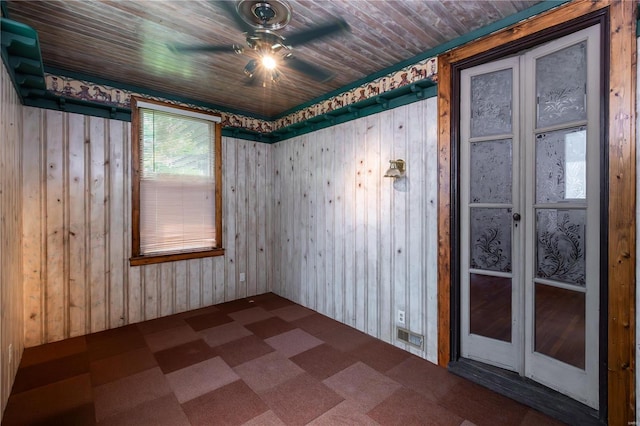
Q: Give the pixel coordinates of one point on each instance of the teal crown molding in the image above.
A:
(21, 55)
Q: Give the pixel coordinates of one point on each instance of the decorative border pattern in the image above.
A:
(98, 93)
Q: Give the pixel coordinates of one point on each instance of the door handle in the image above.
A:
(516, 217)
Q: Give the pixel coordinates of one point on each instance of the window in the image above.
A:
(177, 183)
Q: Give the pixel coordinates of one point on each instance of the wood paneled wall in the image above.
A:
(77, 242)
(11, 299)
(350, 243)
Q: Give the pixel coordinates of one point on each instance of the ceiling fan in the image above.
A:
(259, 20)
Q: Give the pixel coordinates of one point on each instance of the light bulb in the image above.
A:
(268, 62)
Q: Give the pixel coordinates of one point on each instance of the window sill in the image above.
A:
(150, 259)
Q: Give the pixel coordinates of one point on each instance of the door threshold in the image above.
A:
(526, 391)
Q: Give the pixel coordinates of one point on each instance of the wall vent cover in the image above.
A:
(407, 336)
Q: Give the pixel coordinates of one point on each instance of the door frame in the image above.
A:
(618, 230)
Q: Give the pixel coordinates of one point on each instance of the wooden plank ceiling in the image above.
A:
(127, 42)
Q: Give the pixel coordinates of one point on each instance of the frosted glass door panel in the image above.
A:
(561, 81)
(491, 103)
(560, 324)
(491, 171)
(491, 239)
(561, 165)
(561, 245)
(490, 306)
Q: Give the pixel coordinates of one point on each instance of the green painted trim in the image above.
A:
(638, 28)
(20, 50)
(150, 92)
(402, 96)
(393, 99)
(459, 41)
(3, 8)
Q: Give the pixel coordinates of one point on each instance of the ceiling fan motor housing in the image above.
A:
(268, 15)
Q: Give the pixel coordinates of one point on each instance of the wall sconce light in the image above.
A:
(396, 169)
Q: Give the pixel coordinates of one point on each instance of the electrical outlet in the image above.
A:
(400, 317)
(243, 277)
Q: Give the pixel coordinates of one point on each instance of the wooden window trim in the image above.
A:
(621, 134)
(136, 258)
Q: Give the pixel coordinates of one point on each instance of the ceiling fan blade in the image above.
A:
(312, 71)
(302, 37)
(230, 9)
(185, 48)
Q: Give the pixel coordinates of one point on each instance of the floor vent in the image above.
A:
(411, 338)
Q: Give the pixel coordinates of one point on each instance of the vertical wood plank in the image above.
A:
(622, 208)
(181, 286)
(399, 215)
(251, 233)
(97, 142)
(263, 201)
(416, 235)
(338, 170)
(230, 182)
(361, 219)
(350, 188)
(78, 309)
(242, 229)
(195, 283)
(387, 308)
(55, 293)
(431, 233)
(12, 291)
(116, 234)
(167, 289)
(34, 209)
(150, 278)
(373, 181)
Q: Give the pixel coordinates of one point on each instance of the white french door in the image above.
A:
(529, 214)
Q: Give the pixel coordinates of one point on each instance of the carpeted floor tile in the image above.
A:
(323, 361)
(113, 342)
(262, 360)
(345, 338)
(122, 365)
(160, 324)
(184, 355)
(161, 340)
(344, 414)
(242, 350)
(65, 399)
(200, 322)
(293, 342)
(269, 327)
(232, 404)
(198, 379)
(380, 355)
(267, 371)
(270, 301)
(426, 378)
(163, 411)
(55, 350)
(362, 385)
(124, 394)
(407, 407)
(224, 333)
(300, 400)
(51, 371)
(268, 418)
(482, 406)
(292, 312)
(316, 324)
(247, 316)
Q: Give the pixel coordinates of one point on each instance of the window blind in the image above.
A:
(177, 183)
